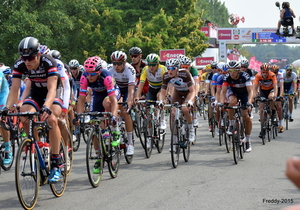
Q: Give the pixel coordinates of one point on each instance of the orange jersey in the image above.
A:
(268, 83)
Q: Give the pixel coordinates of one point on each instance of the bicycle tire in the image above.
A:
(128, 158)
(241, 134)
(149, 136)
(187, 149)
(6, 167)
(23, 171)
(295, 99)
(113, 160)
(143, 130)
(228, 142)
(85, 132)
(268, 129)
(76, 142)
(235, 146)
(175, 153)
(160, 140)
(59, 187)
(195, 129)
(221, 137)
(92, 158)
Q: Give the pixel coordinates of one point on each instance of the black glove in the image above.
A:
(5, 111)
(45, 109)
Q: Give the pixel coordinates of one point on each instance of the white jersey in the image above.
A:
(279, 77)
(125, 78)
(66, 84)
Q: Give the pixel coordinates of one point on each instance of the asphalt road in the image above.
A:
(210, 180)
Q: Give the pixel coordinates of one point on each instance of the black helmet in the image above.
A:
(285, 5)
(55, 54)
(29, 46)
(135, 50)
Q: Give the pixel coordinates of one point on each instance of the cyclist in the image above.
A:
(290, 87)
(124, 74)
(44, 94)
(153, 73)
(240, 88)
(184, 92)
(185, 63)
(285, 12)
(278, 103)
(265, 85)
(76, 74)
(138, 64)
(205, 71)
(4, 90)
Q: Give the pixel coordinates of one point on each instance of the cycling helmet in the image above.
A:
(135, 50)
(275, 67)
(73, 63)
(55, 54)
(118, 56)
(152, 58)
(92, 64)
(185, 60)
(285, 5)
(81, 68)
(180, 56)
(221, 66)
(44, 49)
(265, 67)
(289, 67)
(172, 62)
(214, 63)
(7, 70)
(103, 64)
(29, 46)
(233, 64)
(208, 66)
(245, 62)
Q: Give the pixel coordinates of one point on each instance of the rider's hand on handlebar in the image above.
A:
(160, 104)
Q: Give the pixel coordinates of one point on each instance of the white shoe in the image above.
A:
(217, 132)
(74, 138)
(191, 136)
(195, 122)
(163, 125)
(130, 149)
(149, 142)
(251, 115)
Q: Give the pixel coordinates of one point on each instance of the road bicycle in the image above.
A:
(202, 106)
(285, 109)
(223, 125)
(99, 150)
(33, 164)
(179, 136)
(238, 133)
(153, 135)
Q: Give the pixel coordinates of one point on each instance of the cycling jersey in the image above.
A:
(209, 77)
(194, 72)
(279, 77)
(66, 84)
(288, 80)
(77, 83)
(39, 78)
(203, 76)
(267, 83)
(155, 80)
(138, 75)
(126, 77)
(214, 78)
(238, 86)
(182, 82)
(251, 73)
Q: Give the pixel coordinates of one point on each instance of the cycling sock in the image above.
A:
(247, 138)
(191, 126)
(129, 137)
(96, 151)
(54, 160)
(7, 146)
(195, 114)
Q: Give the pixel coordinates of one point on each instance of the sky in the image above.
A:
(259, 13)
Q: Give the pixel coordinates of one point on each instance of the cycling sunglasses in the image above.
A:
(117, 63)
(172, 68)
(91, 74)
(134, 56)
(232, 70)
(152, 64)
(73, 68)
(28, 58)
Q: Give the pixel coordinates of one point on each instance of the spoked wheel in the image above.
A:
(286, 123)
(94, 161)
(186, 148)
(143, 131)
(114, 160)
(160, 140)
(193, 143)
(221, 136)
(236, 147)
(242, 150)
(6, 167)
(268, 130)
(76, 138)
(70, 153)
(149, 138)
(85, 132)
(175, 147)
(228, 142)
(263, 139)
(59, 187)
(27, 174)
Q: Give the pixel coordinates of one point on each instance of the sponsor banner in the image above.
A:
(206, 30)
(167, 54)
(224, 34)
(203, 61)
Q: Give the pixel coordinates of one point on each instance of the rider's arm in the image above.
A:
(250, 93)
(223, 93)
(143, 78)
(82, 94)
(51, 86)
(13, 93)
(27, 89)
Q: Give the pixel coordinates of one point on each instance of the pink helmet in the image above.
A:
(92, 64)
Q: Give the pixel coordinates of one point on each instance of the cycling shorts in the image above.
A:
(265, 93)
(242, 97)
(97, 100)
(179, 96)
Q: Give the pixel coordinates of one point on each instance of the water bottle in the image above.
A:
(46, 149)
(132, 113)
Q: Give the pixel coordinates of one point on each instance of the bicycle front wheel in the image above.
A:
(149, 138)
(76, 138)
(114, 161)
(94, 160)
(186, 149)
(27, 174)
(175, 147)
(59, 187)
(160, 140)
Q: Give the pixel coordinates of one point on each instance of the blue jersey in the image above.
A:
(214, 79)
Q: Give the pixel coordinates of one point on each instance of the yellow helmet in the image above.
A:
(208, 66)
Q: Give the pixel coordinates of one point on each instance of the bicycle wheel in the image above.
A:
(128, 158)
(59, 187)
(85, 130)
(236, 146)
(27, 174)
(6, 167)
(94, 161)
(149, 137)
(221, 131)
(70, 152)
(76, 138)
(143, 131)
(186, 149)
(113, 160)
(268, 125)
(228, 142)
(295, 99)
(160, 140)
(175, 147)
(263, 129)
(241, 134)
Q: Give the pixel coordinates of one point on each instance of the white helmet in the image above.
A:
(172, 62)
(73, 63)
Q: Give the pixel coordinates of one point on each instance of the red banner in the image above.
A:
(167, 54)
(205, 30)
(224, 35)
(204, 61)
